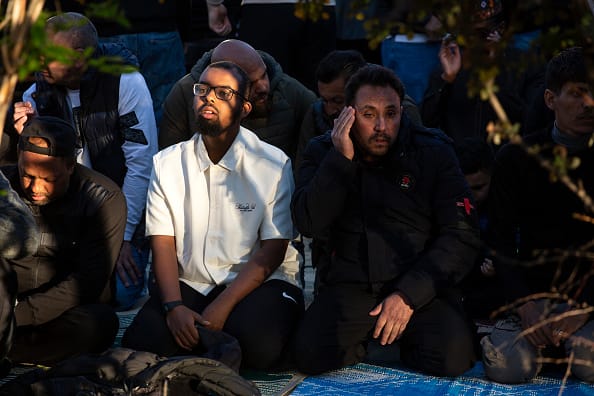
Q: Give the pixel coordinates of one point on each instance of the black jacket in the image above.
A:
(530, 213)
(409, 221)
(81, 236)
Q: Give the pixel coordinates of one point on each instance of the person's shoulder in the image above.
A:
(186, 81)
(129, 81)
(423, 137)
(541, 136)
(119, 51)
(291, 88)
(323, 140)
(318, 146)
(173, 152)
(94, 186)
(512, 151)
(10, 173)
(260, 150)
(200, 65)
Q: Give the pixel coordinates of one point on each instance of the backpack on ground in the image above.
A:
(122, 371)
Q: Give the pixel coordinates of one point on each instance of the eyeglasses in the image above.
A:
(222, 93)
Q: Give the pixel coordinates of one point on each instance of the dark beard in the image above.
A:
(208, 127)
(214, 128)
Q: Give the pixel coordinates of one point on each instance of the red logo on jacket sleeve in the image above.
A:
(466, 205)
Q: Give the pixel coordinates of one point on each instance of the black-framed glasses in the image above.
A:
(221, 92)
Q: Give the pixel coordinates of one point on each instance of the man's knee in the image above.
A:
(584, 369)
(507, 358)
(313, 358)
(581, 345)
(438, 340)
(460, 357)
(262, 352)
(306, 354)
(100, 328)
(450, 358)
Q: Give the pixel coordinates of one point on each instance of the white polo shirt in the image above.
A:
(219, 213)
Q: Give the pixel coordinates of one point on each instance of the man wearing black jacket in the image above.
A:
(65, 287)
(398, 229)
(541, 232)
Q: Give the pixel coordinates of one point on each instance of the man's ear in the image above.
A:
(246, 108)
(549, 99)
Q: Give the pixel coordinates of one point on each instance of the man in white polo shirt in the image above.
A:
(219, 220)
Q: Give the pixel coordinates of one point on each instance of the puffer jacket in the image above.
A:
(99, 117)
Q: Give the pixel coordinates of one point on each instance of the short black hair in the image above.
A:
(339, 63)
(81, 31)
(566, 66)
(243, 81)
(474, 154)
(374, 75)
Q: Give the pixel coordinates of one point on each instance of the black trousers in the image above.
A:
(84, 329)
(337, 327)
(263, 322)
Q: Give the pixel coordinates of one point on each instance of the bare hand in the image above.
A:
(181, 321)
(341, 133)
(216, 313)
(394, 315)
(451, 60)
(218, 21)
(532, 316)
(487, 267)
(23, 111)
(126, 267)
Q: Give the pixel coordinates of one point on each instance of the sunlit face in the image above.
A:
(43, 178)
(59, 73)
(214, 115)
(573, 107)
(377, 120)
(332, 95)
(479, 183)
(260, 87)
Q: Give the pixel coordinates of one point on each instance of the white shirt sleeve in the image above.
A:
(135, 98)
(277, 222)
(159, 219)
